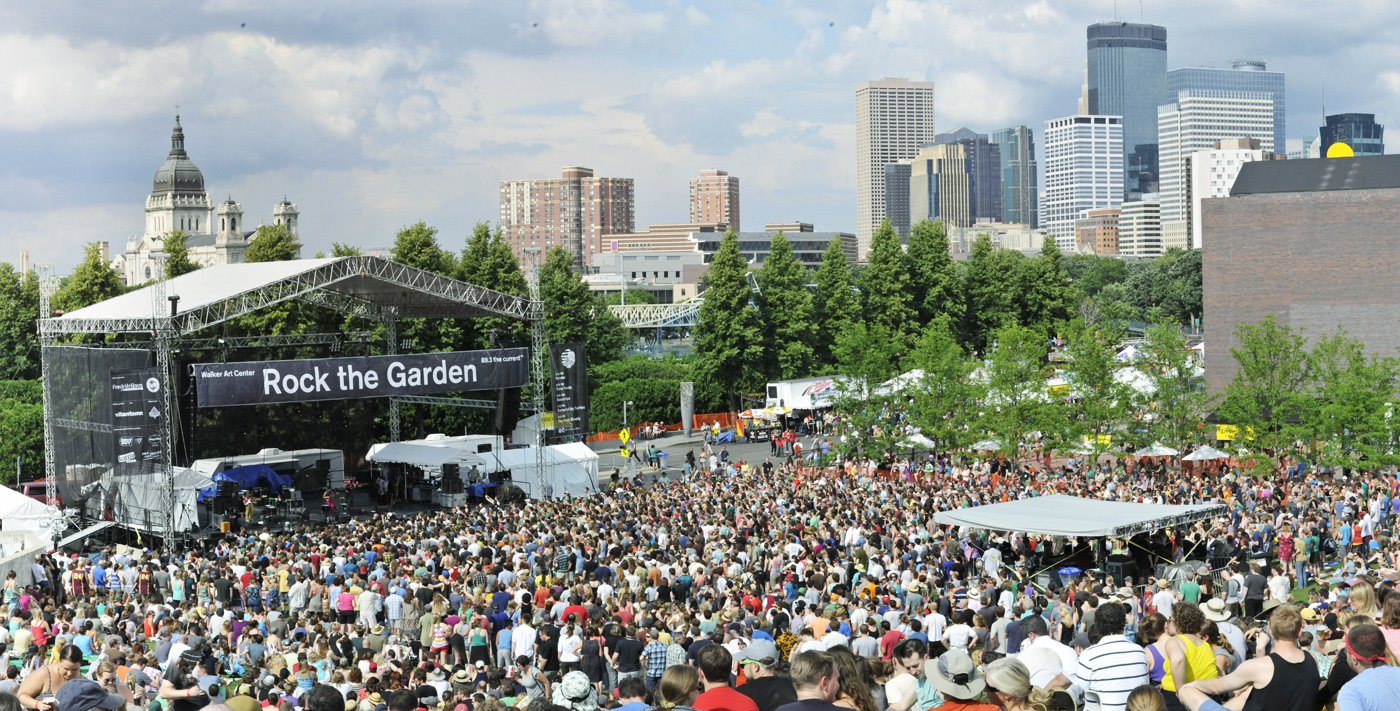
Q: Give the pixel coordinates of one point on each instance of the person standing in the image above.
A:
(715, 664)
(817, 681)
(768, 690)
(1255, 586)
(1113, 667)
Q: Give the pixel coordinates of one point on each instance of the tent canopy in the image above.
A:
(21, 513)
(1061, 515)
(1205, 453)
(424, 455)
(247, 476)
(570, 469)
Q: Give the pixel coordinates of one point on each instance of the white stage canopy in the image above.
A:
(424, 455)
(1060, 515)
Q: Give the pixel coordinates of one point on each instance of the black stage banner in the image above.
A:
(570, 388)
(223, 384)
(138, 408)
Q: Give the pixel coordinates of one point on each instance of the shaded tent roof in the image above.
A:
(371, 287)
(1061, 515)
(425, 455)
(1318, 174)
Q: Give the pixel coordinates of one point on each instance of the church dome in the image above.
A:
(178, 173)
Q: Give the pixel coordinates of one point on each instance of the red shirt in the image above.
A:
(888, 641)
(575, 610)
(724, 699)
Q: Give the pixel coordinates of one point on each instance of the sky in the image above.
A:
(376, 115)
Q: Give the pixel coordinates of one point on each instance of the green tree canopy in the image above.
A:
(941, 399)
(417, 246)
(177, 260)
(729, 337)
(272, 243)
(1269, 395)
(990, 286)
(786, 306)
(886, 292)
(1017, 407)
(1046, 296)
(1101, 403)
(835, 305)
(19, 332)
(92, 281)
(1174, 403)
(934, 278)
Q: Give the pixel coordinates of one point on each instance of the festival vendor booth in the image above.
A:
(1088, 520)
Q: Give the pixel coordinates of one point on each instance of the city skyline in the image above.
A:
(379, 117)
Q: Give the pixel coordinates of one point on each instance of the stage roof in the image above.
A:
(371, 287)
(424, 455)
(1060, 515)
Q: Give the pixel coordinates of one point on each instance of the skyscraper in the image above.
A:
(573, 212)
(1083, 171)
(1195, 122)
(893, 118)
(984, 172)
(1020, 200)
(1140, 228)
(940, 185)
(1128, 78)
(1244, 75)
(1211, 173)
(714, 197)
(1360, 131)
(897, 195)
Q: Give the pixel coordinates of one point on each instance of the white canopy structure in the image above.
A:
(21, 513)
(137, 501)
(570, 470)
(1060, 515)
(900, 383)
(1204, 454)
(1156, 450)
(919, 440)
(988, 444)
(423, 454)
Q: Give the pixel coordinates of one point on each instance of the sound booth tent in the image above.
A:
(1061, 515)
(21, 513)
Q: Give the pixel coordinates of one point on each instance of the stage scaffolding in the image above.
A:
(77, 397)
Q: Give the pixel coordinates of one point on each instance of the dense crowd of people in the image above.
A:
(743, 586)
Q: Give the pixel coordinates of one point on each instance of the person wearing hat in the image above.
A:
(87, 695)
(1285, 680)
(958, 682)
(1217, 611)
(764, 686)
(1164, 598)
(575, 692)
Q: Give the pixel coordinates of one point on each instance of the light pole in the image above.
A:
(625, 405)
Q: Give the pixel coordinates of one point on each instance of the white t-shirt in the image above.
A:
(1164, 600)
(959, 636)
(900, 686)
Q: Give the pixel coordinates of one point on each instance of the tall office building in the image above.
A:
(1195, 122)
(1301, 148)
(1128, 78)
(897, 195)
(573, 212)
(893, 118)
(714, 197)
(940, 185)
(1140, 228)
(984, 171)
(1360, 131)
(1244, 75)
(1212, 173)
(1020, 201)
(1083, 171)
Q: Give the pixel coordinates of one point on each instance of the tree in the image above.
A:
(934, 277)
(19, 332)
(1017, 410)
(1353, 393)
(417, 246)
(867, 354)
(21, 427)
(1269, 395)
(834, 306)
(92, 281)
(729, 336)
(990, 287)
(573, 314)
(1099, 401)
(945, 391)
(177, 259)
(786, 306)
(634, 297)
(344, 250)
(885, 286)
(1172, 403)
(1045, 295)
(272, 243)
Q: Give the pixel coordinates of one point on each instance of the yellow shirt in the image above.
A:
(282, 576)
(1200, 664)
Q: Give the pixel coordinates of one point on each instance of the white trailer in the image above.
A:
(289, 463)
(803, 393)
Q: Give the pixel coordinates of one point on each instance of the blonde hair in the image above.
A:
(1363, 599)
(678, 683)
(1146, 698)
(1011, 677)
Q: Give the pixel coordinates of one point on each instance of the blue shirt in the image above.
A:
(1372, 690)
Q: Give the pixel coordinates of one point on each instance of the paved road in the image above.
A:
(676, 447)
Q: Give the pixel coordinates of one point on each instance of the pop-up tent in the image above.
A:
(1061, 515)
(571, 469)
(137, 500)
(21, 513)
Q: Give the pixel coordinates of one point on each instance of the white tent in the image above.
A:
(570, 469)
(1205, 453)
(1156, 450)
(1134, 378)
(21, 513)
(900, 383)
(916, 440)
(137, 500)
(1060, 515)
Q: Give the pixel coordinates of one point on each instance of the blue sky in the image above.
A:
(373, 115)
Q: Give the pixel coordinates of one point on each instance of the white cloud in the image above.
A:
(592, 23)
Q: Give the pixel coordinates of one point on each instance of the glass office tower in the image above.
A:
(1250, 75)
(1128, 78)
(1360, 131)
(1020, 201)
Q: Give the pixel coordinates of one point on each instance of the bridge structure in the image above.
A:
(684, 314)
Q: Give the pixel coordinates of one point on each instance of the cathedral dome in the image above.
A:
(178, 173)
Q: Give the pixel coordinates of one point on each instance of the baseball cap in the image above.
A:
(84, 695)
(760, 651)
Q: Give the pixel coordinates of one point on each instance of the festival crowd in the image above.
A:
(743, 586)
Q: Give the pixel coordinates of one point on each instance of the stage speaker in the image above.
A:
(226, 488)
(451, 470)
(1121, 570)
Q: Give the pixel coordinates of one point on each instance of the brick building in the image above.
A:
(714, 198)
(1310, 242)
(573, 212)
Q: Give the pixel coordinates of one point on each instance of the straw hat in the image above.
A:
(954, 674)
(1215, 610)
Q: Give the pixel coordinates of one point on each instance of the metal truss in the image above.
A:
(683, 314)
(282, 340)
(84, 426)
(455, 402)
(397, 291)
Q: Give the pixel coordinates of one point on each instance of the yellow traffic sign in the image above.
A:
(624, 435)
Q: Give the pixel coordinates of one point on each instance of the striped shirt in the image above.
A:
(1112, 669)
